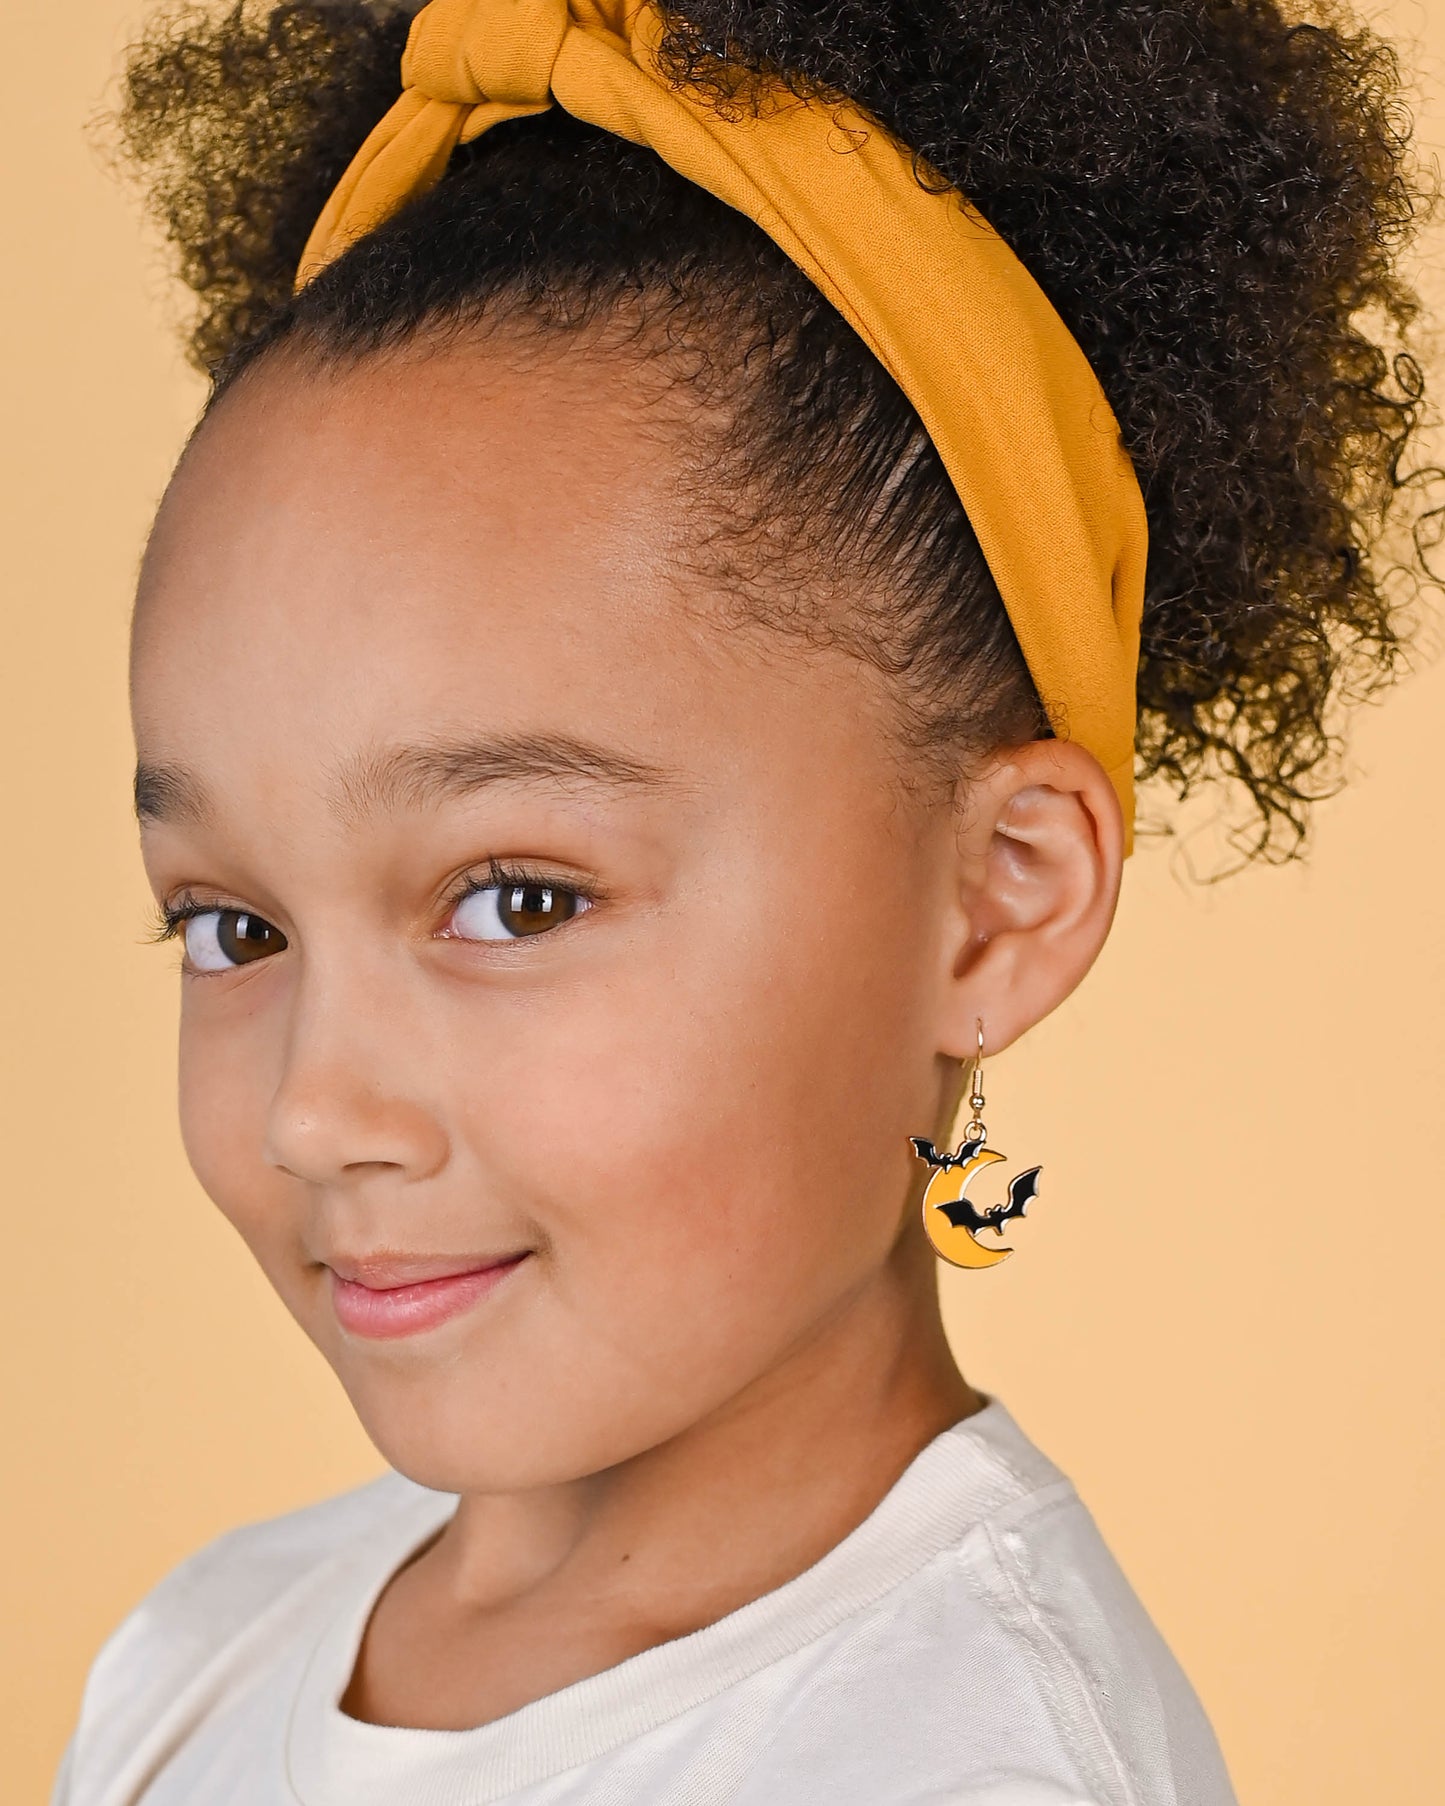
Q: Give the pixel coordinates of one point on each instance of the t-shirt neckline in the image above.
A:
(967, 1471)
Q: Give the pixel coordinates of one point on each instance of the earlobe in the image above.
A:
(1041, 862)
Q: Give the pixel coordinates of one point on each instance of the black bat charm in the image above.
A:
(1021, 1188)
(932, 1155)
(960, 1213)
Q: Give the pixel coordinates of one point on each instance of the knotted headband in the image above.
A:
(1000, 384)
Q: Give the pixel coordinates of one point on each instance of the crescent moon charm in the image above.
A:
(950, 1220)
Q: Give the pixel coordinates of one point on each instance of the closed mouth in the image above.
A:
(367, 1307)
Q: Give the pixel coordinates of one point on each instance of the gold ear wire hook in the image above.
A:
(974, 1130)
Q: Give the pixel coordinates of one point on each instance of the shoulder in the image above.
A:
(1069, 1632)
(232, 1605)
(211, 1595)
(1022, 1662)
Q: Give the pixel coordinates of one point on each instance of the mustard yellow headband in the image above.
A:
(1000, 384)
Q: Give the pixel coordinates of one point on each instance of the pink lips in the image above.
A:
(382, 1298)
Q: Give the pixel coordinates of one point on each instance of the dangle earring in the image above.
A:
(950, 1221)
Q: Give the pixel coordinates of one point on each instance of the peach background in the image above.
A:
(1225, 1321)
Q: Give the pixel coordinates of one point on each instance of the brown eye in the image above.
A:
(217, 939)
(508, 912)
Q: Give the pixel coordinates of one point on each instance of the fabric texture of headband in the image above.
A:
(1000, 384)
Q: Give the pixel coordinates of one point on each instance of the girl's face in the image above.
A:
(658, 1070)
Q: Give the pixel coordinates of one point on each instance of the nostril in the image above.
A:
(341, 1135)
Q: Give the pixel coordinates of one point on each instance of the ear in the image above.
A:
(1040, 853)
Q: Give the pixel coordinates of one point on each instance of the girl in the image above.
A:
(638, 678)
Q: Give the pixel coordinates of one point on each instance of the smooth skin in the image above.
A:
(687, 1105)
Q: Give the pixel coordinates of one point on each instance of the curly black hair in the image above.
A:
(1212, 193)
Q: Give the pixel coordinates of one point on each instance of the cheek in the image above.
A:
(730, 1100)
(715, 1152)
(223, 1097)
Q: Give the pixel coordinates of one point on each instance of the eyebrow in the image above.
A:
(397, 777)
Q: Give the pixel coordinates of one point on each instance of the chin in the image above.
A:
(458, 1430)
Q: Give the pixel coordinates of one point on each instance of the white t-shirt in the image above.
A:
(972, 1643)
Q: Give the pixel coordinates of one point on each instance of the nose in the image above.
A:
(349, 1101)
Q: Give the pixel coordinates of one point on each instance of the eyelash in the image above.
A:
(170, 918)
(500, 876)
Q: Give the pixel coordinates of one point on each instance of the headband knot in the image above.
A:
(468, 52)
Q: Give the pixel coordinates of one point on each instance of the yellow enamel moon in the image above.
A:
(956, 1243)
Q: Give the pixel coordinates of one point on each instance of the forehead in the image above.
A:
(411, 480)
(420, 543)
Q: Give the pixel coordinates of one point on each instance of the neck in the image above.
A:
(745, 1499)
